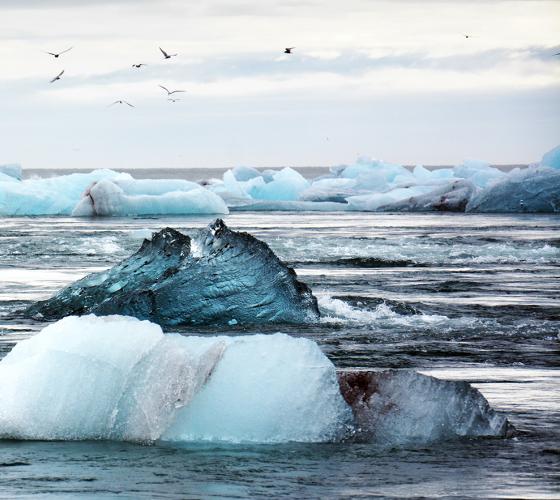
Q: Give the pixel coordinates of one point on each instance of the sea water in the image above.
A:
(462, 297)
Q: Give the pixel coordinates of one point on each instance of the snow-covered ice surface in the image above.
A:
(367, 185)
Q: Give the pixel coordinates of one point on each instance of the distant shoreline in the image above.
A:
(196, 174)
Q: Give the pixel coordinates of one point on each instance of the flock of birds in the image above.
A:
(166, 55)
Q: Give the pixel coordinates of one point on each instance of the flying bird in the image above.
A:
(120, 101)
(288, 50)
(57, 55)
(139, 65)
(57, 77)
(166, 55)
(169, 92)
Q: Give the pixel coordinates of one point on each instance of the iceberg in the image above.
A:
(551, 158)
(11, 171)
(214, 277)
(534, 189)
(123, 379)
(450, 197)
(120, 378)
(49, 196)
(122, 197)
(403, 407)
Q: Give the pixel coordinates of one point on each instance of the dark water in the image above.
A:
(463, 297)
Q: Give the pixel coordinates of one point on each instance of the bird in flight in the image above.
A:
(169, 92)
(57, 77)
(120, 101)
(166, 55)
(139, 65)
(57, 55)
(288, 50)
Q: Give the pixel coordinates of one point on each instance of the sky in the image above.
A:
(395, 80)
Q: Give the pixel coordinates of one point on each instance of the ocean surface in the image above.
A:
(463, 297)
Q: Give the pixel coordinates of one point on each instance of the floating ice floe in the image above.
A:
(367, 185)
(10, 171)
(148, 197)
(120, 378)
(214, 277)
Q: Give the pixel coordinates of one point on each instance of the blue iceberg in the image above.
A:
(216, 276)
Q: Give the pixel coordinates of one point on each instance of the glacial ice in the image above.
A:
(121, 197)
(551, 158)
(10, 171)
(215, 276)
(366, 185)
(120, 378)
(48, 196)
(402, 407)
(535, 189)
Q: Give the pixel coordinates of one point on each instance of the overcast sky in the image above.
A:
(395, 80)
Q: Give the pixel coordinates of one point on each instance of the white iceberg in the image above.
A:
(48, 196)
(120, 378)
(122, 197)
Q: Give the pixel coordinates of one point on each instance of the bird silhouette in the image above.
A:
(139, 65)
(169, 92)
(120, 101)
(57, 55)
(166, 55)
(288, 50)
(57, 77)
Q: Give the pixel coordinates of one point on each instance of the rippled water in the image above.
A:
(459, 296)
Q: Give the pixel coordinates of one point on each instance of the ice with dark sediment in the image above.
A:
(123, 379)
(217, 276)
(403, 407)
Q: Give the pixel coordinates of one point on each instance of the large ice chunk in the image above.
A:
(269, 388)
(404, 407)
(551, 158)
(49, 196)
(123, 379)
(450, 197)
(12, 170)
(215, 277)
(121, 197)
(287, 184)
(534, 189)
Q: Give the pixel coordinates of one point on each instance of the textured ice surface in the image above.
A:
(404, 407)
(214, 277)
(120, 378)
(123, 197)
(551, 158)
(366, 185)
(48, 196)
(535, 189)
(12, 170)
(123, 379)
(449, 197)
